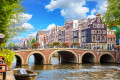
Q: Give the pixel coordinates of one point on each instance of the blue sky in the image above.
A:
(45, 14)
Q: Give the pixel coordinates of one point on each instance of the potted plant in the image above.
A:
(76, 44)
(56, 44)
(65, 44)
(35, 45)
(50, 45)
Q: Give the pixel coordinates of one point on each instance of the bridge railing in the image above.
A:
(65, 48)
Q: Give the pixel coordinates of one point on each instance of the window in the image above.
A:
(98, 20)
(67, 32)
(67, 38)
(102, 25)
(98, 26)
(97, 32)
(94, 25)
(75, 25)
(99, 38)
(93, 38)
(114, 39)
(85, 33)
(82, 34)
(104, 31)
(112, 32)
(104, 38)
(108, 39)
(94, 31)
(84, 39)
(111, 39)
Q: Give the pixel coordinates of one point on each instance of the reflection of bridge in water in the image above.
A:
(44, 56)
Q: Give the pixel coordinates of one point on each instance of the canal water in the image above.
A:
(69, 71)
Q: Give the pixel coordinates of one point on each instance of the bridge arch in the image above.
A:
(39, 57)
(73, 54)
(106, 58)
(88, 57)
(19, 60)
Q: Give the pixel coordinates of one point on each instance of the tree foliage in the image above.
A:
(33, 40)
(112, 15)
(12, 46)
(9, 11)
(29, 44)
(9, 56)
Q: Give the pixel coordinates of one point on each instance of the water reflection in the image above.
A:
(59, 71)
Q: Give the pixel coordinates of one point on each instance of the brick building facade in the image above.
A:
(90, 33)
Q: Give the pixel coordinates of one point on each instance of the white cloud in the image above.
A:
(102, 7)
(50, 26)
(24, 17)
(17, 38)
(74, 9)
(21, 20)
(93, 11)
(91, 16)
(27, 26)
(70, 9)
(33, 34)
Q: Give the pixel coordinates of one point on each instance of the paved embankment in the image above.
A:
(9, 76)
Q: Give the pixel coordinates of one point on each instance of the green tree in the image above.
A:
(112, 15)
(29, 44)
(33, 40)
(9, 11)
(12, 46)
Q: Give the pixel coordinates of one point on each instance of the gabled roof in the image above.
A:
(42, 32)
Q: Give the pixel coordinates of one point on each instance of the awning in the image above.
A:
(2, 37)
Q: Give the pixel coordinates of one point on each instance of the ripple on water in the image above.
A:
(77, 72)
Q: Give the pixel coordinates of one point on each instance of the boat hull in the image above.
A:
(29, 76)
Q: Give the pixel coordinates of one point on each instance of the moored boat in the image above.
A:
(22, 74)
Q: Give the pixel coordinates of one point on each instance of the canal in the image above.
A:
(69, 71)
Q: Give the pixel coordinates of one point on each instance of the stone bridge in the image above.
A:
(44, 56)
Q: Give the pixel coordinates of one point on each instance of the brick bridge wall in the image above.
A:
(46, 53)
